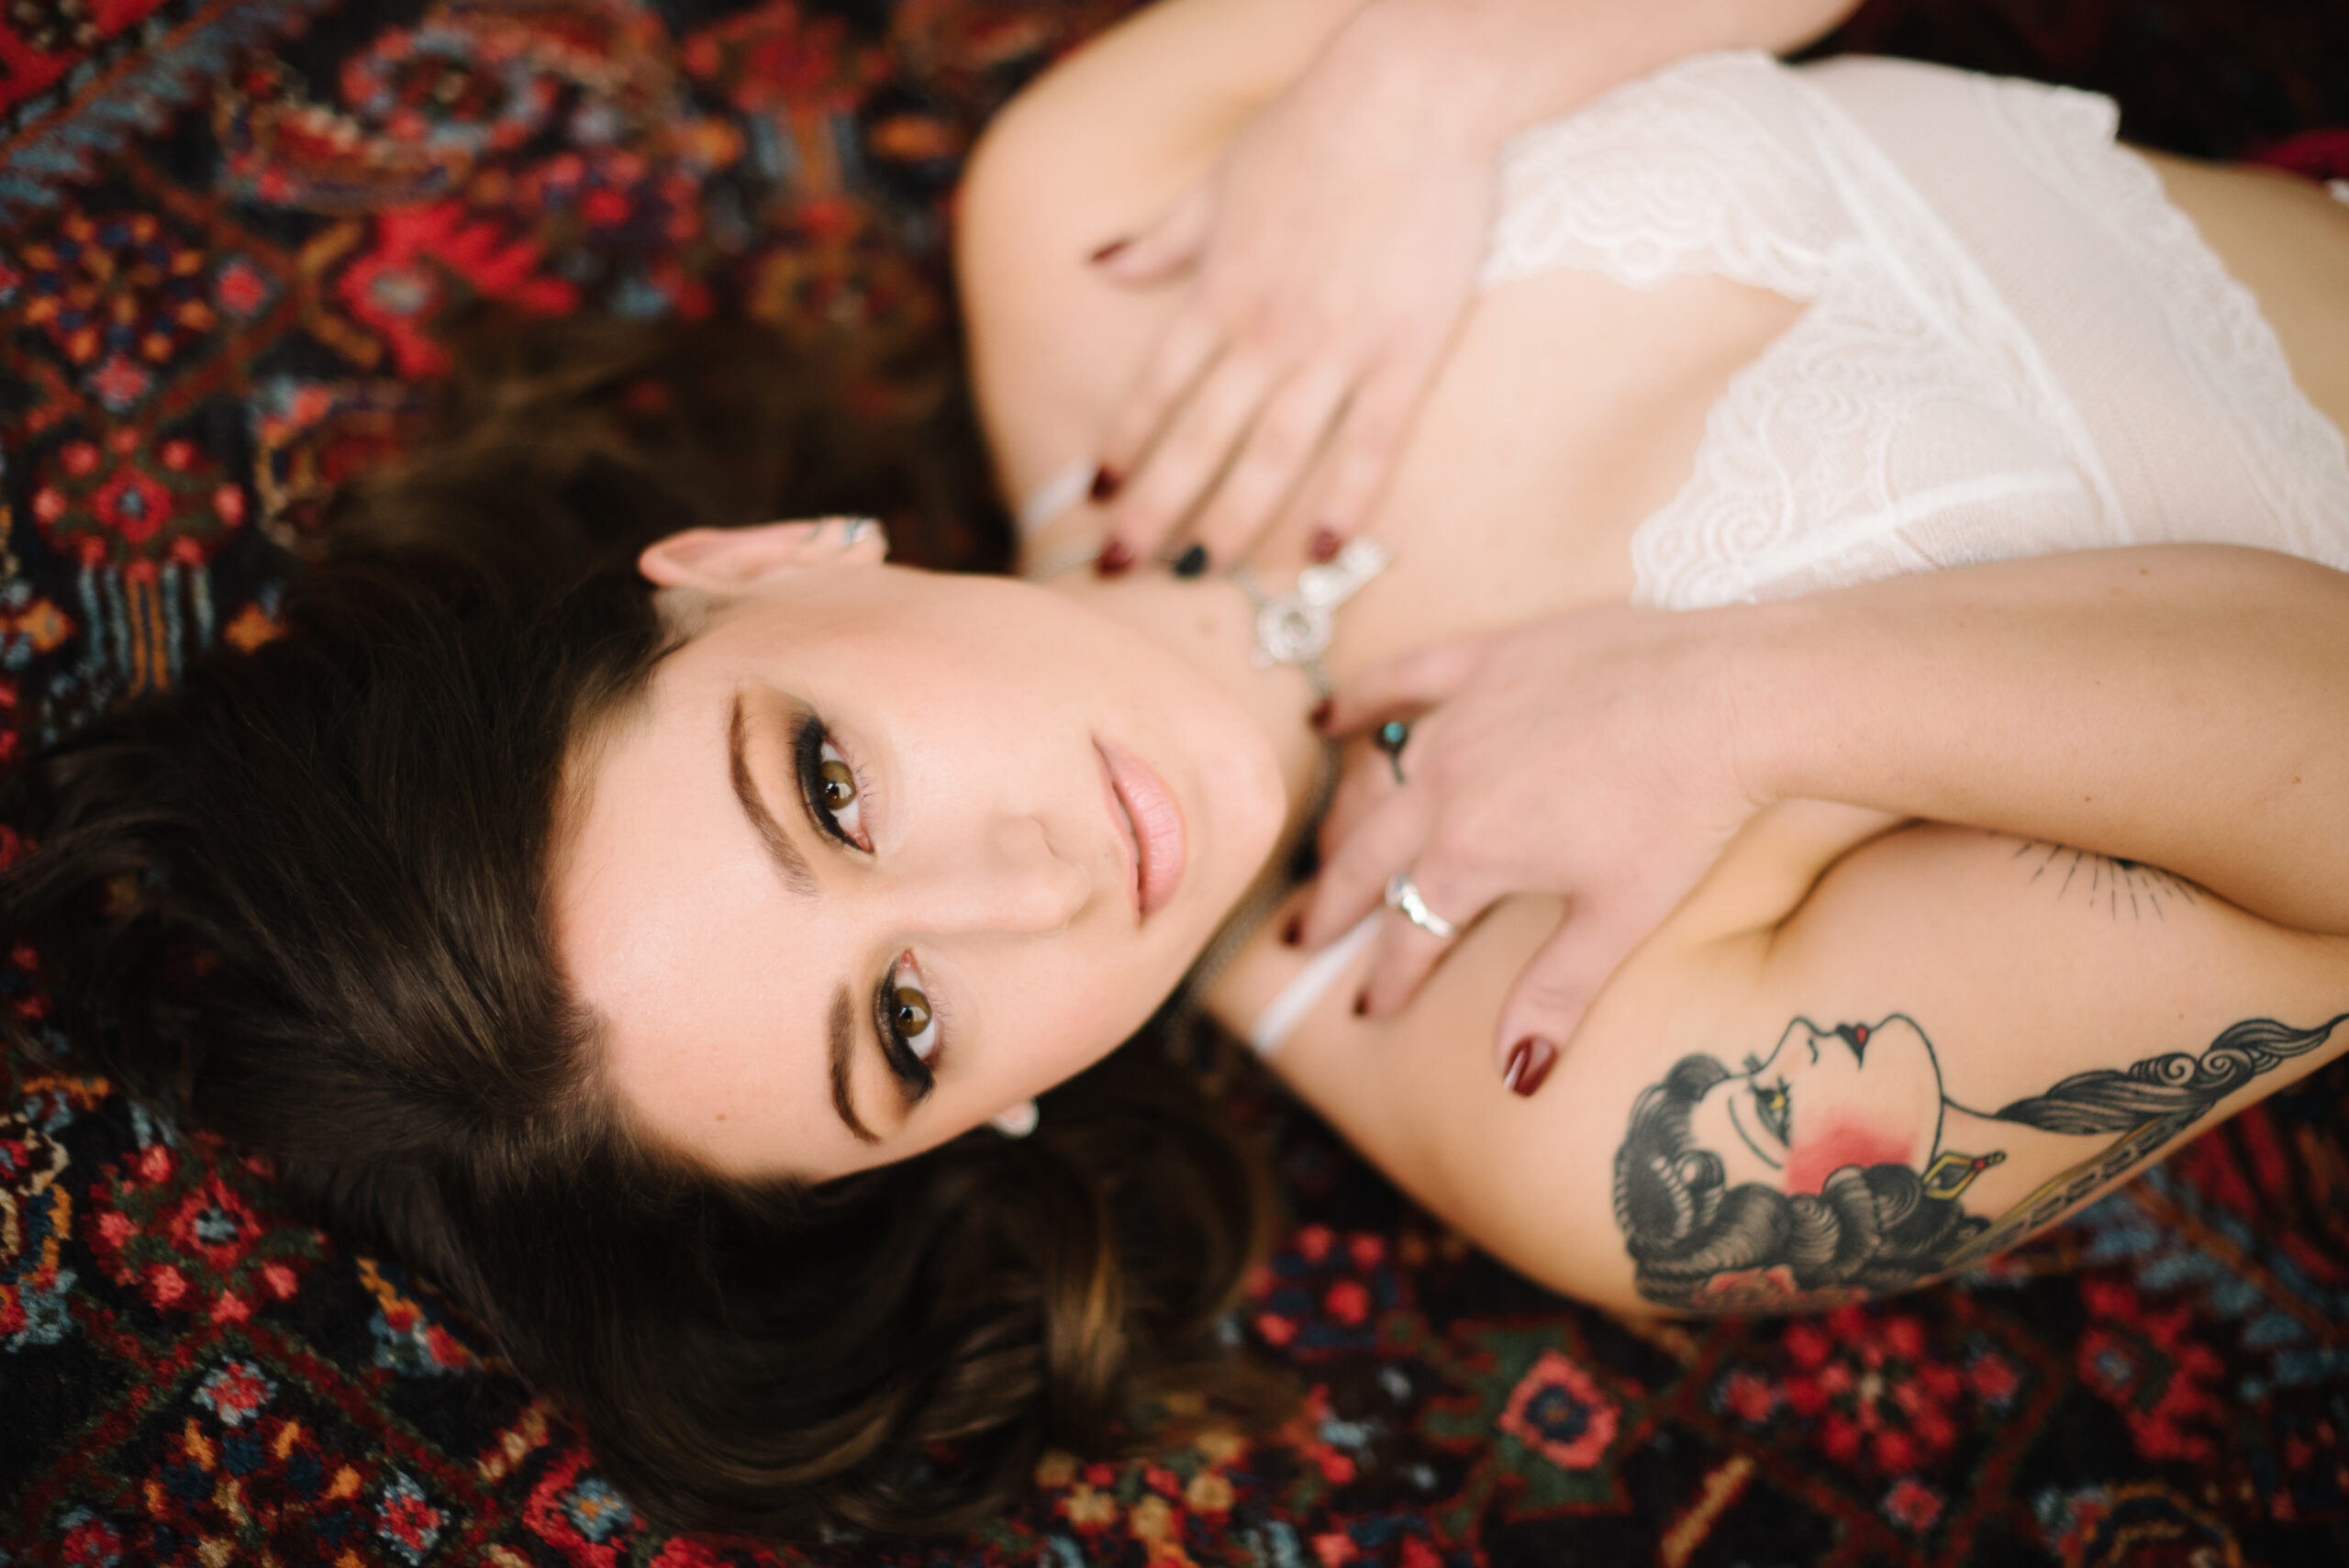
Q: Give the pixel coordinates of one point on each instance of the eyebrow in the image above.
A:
(788, 861)
(843, 1031)
(793, 868)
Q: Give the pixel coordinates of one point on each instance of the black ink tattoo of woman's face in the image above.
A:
(1819, 1174)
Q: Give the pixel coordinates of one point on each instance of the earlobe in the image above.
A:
(729, 561)
(1017, 1120)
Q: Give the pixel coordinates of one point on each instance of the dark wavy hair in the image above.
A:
(1872, 1228)
(301, 900)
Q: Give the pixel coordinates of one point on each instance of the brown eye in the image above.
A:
(910, 1017)
(913, 1011)
(839, 785)
(828, 781)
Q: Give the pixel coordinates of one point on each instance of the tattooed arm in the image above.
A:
(2121, 704)
(1862, 1054)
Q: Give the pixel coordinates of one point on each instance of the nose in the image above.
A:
(1005, 879)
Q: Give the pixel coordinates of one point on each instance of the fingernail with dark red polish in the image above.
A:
(1105, 485)
(1114, 558)
(1529, 1062)
(1294, 932)
(1192, 562)
(1321, 711)
(1108, 250)
(1325, 544)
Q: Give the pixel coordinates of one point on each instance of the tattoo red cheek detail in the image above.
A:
(1810, 1162)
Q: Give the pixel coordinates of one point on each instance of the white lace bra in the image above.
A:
(2013, 344)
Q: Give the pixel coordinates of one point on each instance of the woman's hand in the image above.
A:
(1327, 258)
(1591, 755)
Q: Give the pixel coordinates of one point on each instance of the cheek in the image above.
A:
(1839, 1143)
(1049, 1022)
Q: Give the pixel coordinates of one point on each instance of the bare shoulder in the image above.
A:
(1417, 1094)
(1096, 149)
(1531, 1179)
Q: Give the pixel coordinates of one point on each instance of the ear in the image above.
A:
(726, 560)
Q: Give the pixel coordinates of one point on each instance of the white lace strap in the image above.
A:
(1279, 1019)
(1053, 497)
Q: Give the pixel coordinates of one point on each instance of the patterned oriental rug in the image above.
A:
(226, 231)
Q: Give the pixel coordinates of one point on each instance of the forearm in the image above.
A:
(2184, 706)
(1508, 64)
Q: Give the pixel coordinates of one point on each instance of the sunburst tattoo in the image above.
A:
(2104, 882)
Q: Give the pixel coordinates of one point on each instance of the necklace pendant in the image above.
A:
(1290, 631)
(1295, 628)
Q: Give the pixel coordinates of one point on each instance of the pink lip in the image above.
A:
(1149, 821)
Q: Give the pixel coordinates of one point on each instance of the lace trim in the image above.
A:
(1907, 419)
(2295, 457)
(1905, 422)
(1675, 174)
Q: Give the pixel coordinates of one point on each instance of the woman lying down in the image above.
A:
(713, 973)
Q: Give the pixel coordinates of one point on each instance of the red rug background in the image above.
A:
(225, 232)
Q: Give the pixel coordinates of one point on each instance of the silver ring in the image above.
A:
(1403, 897)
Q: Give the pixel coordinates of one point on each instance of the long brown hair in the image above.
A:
(302, 900)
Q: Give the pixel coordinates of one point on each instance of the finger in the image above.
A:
(1182, 356)
(1192, 453)
(1402, 686)
(1550, 998)
(1363, 451)
(1401, 958)
(1366, 784)
(1407, 951)
(1277, 449)
(1170, 245)
(1351, 879)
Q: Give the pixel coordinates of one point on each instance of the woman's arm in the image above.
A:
(1514, 64)
(2080, 1011)
(2183, 704)
(1712, 1141)
(2175, 705)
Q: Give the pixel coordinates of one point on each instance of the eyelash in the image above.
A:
(915, 1072)
(808, 746)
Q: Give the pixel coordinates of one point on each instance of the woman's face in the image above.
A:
(1857, 1095)
(884, 853)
